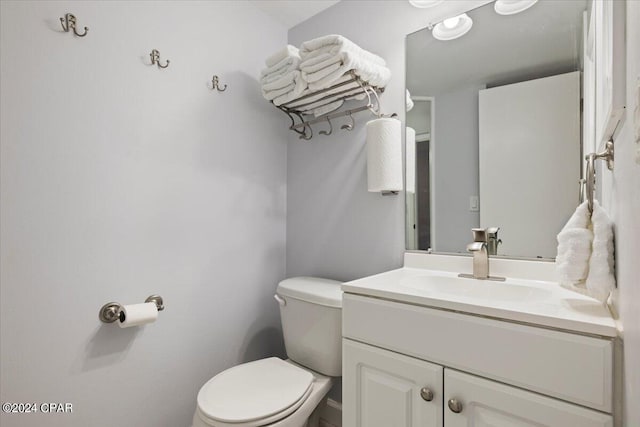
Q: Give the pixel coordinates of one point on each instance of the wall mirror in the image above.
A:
(494, 135)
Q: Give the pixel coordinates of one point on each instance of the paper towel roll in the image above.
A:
(384, 155)
(138, 314)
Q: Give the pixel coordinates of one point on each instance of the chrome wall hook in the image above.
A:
(330, 131)
(349, 126)
(69, 23)
(155, 59)
(215, 84)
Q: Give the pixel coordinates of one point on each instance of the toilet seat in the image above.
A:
(254, 394)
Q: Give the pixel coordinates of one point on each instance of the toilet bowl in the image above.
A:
(283, 393)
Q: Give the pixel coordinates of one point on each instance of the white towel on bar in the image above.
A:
(283, 53)
(601, 280)
(585, 253)
(287, 99)
(574, 248)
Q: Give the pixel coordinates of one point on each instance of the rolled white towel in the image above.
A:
(574, 248)
(601, 280)
(283, 53)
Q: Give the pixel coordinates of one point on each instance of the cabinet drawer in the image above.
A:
(567, 366)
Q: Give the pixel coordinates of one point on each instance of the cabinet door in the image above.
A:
(386, 389)
(484, 403)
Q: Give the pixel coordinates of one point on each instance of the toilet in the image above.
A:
(283, 393)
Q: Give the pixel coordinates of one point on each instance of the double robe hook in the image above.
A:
(155, 59)
(69, 23)
(215, 84)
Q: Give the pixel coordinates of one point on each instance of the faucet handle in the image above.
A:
(479, 234)
(492, 232)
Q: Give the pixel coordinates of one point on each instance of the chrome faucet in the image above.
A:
(492, 240)
(480, 253)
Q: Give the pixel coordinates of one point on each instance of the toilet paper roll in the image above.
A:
(138, 314)
(384, 155)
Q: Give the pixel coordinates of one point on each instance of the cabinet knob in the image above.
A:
(455, 405)
(426, 394)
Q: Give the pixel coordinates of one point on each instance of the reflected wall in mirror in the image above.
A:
(494, 136)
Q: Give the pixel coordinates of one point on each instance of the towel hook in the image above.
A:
(349, 126)
(155, 59)
(69, 23)
(215, 84)
(324, 132)
(304, 134)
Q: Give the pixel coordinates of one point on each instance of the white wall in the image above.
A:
(120, 180)
(626, 208)
(335, 228)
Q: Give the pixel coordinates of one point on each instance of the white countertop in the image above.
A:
(537, 302)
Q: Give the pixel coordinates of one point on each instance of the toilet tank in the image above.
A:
(311, 314)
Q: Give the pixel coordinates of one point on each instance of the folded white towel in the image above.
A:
(585, 253)
(290, 63)
(281, 81)
(282, 54)
(374, 74)
(334, 44)
(288, 92)
(322, 98)
(601, 281)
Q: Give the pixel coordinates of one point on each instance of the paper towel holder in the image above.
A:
(110, 312)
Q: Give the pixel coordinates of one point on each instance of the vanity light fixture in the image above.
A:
(452, 28)
(511, 7)
(423, 4)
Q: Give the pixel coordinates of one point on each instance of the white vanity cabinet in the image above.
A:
(406, 365)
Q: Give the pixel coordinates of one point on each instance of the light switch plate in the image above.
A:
(474, 204)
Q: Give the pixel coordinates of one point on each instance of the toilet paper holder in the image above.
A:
(110, 312)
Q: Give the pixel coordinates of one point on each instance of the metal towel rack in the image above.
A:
(589, 180)
(343, 91)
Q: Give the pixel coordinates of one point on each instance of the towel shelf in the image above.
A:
(351, 89)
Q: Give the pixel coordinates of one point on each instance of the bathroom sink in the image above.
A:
(475, 289)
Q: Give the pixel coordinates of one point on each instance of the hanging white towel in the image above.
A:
(574, 248)
(408, 101)
(601, 281)
(585, 253)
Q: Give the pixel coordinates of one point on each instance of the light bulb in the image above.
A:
(451, 22)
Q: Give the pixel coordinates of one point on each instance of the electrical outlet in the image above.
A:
(474, 204)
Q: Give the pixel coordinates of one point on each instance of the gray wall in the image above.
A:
(335, 228)
(120, 180)
(455, 147)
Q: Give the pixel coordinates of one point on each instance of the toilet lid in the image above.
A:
(254, 391)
